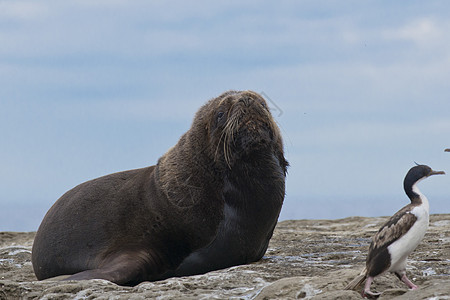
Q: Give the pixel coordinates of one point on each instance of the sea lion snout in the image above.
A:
(252, 124)
(240, 125)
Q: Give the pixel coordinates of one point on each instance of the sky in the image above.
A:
(360, 90)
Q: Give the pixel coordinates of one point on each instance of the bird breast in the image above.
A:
(400, 249)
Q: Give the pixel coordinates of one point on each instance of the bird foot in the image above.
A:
(408, 282)
(370, 295)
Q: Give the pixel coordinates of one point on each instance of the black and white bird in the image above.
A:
(399, 236)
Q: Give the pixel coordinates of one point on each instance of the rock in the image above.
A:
(306, 259)
(316, 287)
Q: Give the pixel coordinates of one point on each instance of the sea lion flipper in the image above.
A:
(124, 269)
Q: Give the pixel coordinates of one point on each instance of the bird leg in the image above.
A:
(366, 292)
(402, 276)
(408, 282)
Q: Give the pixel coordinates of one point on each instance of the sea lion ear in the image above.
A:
(284, 163)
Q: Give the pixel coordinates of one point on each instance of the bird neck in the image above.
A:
(416, 196)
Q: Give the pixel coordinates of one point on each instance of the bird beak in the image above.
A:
(437, 173)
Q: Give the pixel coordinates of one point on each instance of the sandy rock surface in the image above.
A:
(306, 259)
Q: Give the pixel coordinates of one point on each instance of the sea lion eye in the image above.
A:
(264, 105)
(219, 115)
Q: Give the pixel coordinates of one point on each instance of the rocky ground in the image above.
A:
(306, 259)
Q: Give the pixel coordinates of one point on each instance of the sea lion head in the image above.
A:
(238, 125)
(233, 131)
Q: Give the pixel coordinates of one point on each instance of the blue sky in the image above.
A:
(362, 90)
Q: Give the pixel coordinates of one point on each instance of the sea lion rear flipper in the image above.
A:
(124, 269)
(57, 278)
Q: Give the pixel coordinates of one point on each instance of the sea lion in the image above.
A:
(211, 202)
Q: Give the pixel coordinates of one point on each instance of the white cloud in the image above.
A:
(423, 32)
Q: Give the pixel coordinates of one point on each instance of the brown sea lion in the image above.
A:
(211, 202)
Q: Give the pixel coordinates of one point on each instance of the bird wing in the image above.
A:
(394, 228)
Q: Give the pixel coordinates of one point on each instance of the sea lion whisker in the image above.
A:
(229, 130)
(218, 144)
(226, 149)
(235, 125)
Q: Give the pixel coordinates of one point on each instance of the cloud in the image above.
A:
(424, 32)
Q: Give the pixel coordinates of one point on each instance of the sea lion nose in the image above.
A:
(246, 100)
(250, 98)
